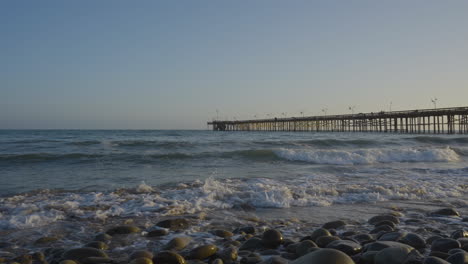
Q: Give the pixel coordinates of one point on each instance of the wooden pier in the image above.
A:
(452, 120)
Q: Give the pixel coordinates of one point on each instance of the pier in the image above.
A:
(452, 120)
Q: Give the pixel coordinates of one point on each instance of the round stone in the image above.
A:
(251, 244)
(323, 256)
(123, 230)
(379, 218)
(318, 233)
(222, 233)
(68, 261)
(393, 255)
(168, 257)
(414, 240)
(385, 222)
(459, 234)
(334, 224)
(103, 237)
(141, 254)
(228, 255)
(203, 252)
(95, 260)
(392, 236)
(434, 260)
(304, 247)
(384, 228)
(157, 232)
(174, 224)
(458, 258)
(45, 240)
(363, 237)
(217, 261)
(445, 212)
(349, 247)
(178, 243)
(379, 245)
(142, 261)
(98, 245)
(444, 244)
(82, 253)
(323, 241)
(272, 238)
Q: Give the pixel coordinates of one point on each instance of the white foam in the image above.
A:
(25, 211)
(368, 156)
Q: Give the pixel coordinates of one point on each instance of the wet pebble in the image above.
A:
(203, 252)
(174, 224)
(168, 257)
(444, 244)
(349, 247)
(334, 224)
(445, 212)
(272, 238)
(123, 230)
(322, 256)
(178, 243)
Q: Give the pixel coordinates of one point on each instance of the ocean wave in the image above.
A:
(38, 157)
(368, 156)
(439, 140)
(40, 208)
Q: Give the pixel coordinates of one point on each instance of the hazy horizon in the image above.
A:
(172, 65)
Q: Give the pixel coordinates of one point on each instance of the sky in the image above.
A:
(113, 64)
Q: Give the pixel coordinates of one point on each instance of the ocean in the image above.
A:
(51, 178)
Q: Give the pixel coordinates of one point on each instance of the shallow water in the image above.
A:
(53, 176)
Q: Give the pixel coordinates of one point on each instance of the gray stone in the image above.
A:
(379, 245)
(253, 243)
(318, 233)
(324, 256)
(123, 230)
(178, 243)
(272, 238)
(141, 254)
(392, 236)
(334, 224)
(414, 240)
(395, 255)
(157, 232)
(323, 241)
(434, 260)
(459, 234)
(174, 224)
(444, 244)
(222, 233)
(304, 247)
(347, 246)
(458, 258)
(379, 218)
(80, 254)
(445, 212)
(203, 252)
(168, 257)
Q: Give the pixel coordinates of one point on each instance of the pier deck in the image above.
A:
(452, 120)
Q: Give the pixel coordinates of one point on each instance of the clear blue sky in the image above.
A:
(171, 64)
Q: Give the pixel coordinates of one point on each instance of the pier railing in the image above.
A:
(452, 120)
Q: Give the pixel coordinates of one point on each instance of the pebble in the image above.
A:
(414, 240)
(324, 256)
(82, 253)
(123, 230)
(272, 238)
(168, 257)
(222, 233)
(304, 247)
(174, 224)
(347, 246)
(203, 252)
(318, 233)
(178, 243)
(434, 260)
(103, 237)
(395, 255)
(458, 258)
(392, 236)
(46, 240)
(445, 212)
(157, 232)
(334, 224)
(379, 245)
(379, 218)
(253, 243)
(459, 234)
(141, 254)
(141, 260)
(323, 241)
(98, 245)
(444, 244)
